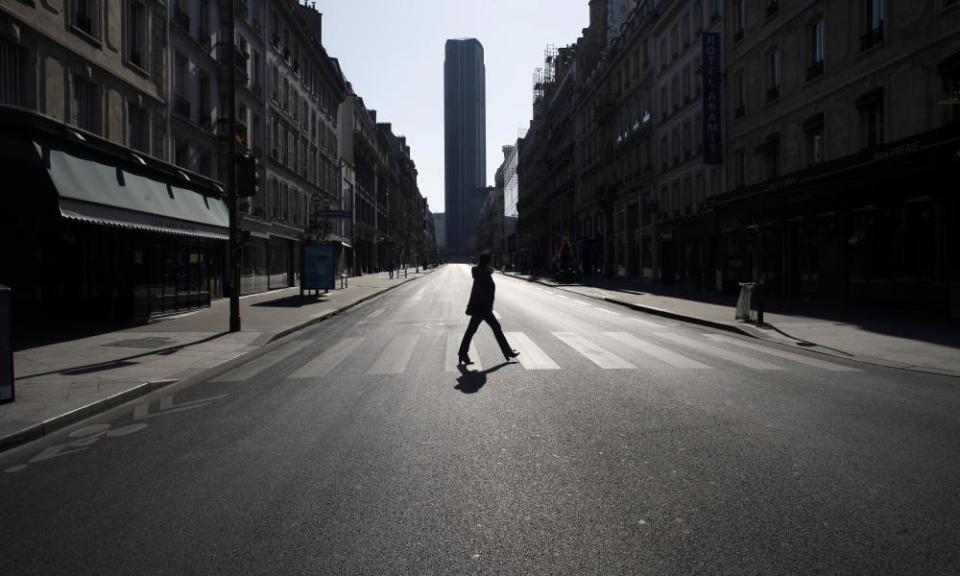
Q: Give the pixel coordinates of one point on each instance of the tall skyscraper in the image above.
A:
(465, 139)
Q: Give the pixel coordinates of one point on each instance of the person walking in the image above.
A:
(480, 309)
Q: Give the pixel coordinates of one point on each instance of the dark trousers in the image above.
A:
(472, 329)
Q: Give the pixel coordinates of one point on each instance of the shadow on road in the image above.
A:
(470, 382)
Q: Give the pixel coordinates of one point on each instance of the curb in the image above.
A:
(55, 423)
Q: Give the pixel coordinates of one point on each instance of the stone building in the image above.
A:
(842, 120)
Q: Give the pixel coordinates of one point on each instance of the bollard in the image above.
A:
(6, 348)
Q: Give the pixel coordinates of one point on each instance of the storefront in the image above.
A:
(94, 234)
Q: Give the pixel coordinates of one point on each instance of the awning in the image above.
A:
(98, 193)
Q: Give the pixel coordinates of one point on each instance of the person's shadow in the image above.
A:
(470, 382)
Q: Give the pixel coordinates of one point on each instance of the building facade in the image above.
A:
(465, 165)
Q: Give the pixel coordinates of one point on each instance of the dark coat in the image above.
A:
(481, 295)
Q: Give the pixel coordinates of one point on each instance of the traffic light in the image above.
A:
(248, 176)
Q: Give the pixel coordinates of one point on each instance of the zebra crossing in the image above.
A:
(617, 350)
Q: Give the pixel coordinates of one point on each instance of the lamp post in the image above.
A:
(233, 250)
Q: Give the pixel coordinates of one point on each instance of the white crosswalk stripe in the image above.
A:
(599, 356)
(453, 350)
(727, 355)
(328, 359)
(532, 357)
(263, 362)
(799, 358)
(610, 312)
(394, 358)
(658, 352)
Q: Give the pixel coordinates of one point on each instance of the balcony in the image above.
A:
(181, 18)
(872, 38)
(773, 93)
(815, 70)
(181, 106)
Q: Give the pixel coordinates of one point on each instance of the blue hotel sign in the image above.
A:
(712, 86)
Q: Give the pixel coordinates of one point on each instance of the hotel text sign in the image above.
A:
(712, 79)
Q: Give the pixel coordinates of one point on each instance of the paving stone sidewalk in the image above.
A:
(60, 382)
(897, 340)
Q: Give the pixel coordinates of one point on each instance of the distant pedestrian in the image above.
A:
(480, 309)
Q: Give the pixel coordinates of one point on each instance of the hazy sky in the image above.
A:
(392, 52)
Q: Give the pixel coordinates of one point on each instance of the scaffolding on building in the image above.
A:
(546, 74)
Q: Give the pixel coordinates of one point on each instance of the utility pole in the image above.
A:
(233, 258)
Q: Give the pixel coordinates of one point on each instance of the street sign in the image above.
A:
(333, 213)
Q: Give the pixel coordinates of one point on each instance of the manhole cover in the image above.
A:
(148, 343)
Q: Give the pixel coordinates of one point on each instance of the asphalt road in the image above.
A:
(620, 444)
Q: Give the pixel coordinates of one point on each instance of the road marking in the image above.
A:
(453, 350)
(599, 356)
(263, 362)
(562, 296)
(419, 293)
(727, 355)
(645, 322)
(658, 352)
(375, 313)
(166, 406)
(611, 312)
(783, 354)
(394, 358)
(581, 302)
(497, 315)
(532, 357)
(328, 359)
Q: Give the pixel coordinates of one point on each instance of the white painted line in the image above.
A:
(581, 302)
(562, 296)
(261, 363)
(645, 322)
(599, 356)
(394, 358)
(328, 359)
(782, 354)
(728, 355)
(453, 350)
(531, 356)
(610, 312)
(375, 313)
(658, 352)
(419, 293)
(497, 315)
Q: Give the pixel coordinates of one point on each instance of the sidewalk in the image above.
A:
(62, 382)
(896, 340)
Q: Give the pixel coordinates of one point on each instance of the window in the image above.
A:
(686, 84)
(136, 127)
(687, 140)
(255, 72)
(11, 78)
(739, 96)
(181, 154)
(85, 17)
(815, 33)
(86, 105)
(773, 74)
(675, 145)
(664, 102)
(739, 167)
(664, 153)
(663, 53)
(675, 92)
(674, 41)
(813, 127)
(205, 166)
(685, 30)
(950, 75)
(770, 151)
(738, 21)
(698, 132)
(873, 14)
(137, 34)
(698, 16)
(717, 10)
(870, 106)
(204, 100)
(773, 7)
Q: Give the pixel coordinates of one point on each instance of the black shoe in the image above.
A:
(464, 359)
(511, 355)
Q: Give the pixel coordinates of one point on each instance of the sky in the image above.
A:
(392, 52)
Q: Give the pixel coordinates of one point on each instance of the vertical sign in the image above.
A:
(6, 348)
(712, 79)
(318, 267)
